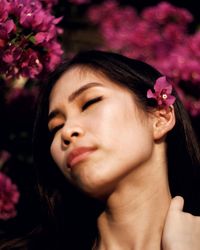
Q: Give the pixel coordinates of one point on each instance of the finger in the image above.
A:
(177, 203)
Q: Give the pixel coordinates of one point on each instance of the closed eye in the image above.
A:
(55, 129)
(90, 102)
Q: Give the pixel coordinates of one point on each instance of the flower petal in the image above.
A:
(150, 94)
(161, 83)
(168, 89)
(170, 100)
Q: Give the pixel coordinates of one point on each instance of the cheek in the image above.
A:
(133, 146)
(136, 138)
(53, 151)
(56, 153)
(122, 135)
(101, 127)
(113, 124)
(59, 158)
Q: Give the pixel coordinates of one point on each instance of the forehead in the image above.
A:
(76, 77)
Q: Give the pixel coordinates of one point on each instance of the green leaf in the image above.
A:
(32, 39)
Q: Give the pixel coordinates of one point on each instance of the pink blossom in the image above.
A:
(16, 7)
(193, 107)
(43, 37)
(40, 37)
(162, 92)
(36, 19)
(27, 17)
(138, 37)
(9, 197)
(53, 57)
(6, 28)
(166, 12)
(26, 44)
(191, 104)
(11, 54)
(3, 10)
(79, 1)
(98, 13)
(194, 44)
(49, 33)
(159, 36)
(31, 65)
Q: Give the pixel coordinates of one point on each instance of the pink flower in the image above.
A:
(79, 1)
(12, 54)
(166, 12)
(31, 65)
(53, 57)
(9, 197)
(162, 92)
(27, 32)
(42, 37)
(6, 28)
(191, 104)
(3, 10)
(99, 13)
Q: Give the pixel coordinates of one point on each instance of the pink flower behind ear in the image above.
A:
(162, 94)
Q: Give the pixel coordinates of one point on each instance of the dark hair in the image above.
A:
(72, 219)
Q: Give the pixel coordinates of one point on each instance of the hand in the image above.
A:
(181, 230)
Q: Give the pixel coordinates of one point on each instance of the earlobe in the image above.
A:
(164, 121)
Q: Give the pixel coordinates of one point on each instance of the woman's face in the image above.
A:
(99, 135)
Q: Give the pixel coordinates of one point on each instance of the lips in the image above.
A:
(78, 154)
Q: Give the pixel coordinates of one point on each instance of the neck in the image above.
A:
(135, 212)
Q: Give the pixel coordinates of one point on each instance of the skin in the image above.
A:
(97, 128)
(182, 230)
(129, 156)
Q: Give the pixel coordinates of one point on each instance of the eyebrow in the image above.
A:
(73, 96)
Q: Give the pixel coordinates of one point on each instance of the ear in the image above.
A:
(163, 122)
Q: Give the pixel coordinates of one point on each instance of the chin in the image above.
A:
(94, 189)
(93, 179)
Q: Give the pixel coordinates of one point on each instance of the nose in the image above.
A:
(70, 134)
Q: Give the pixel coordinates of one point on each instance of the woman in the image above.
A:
(111, 149)
(119, 146)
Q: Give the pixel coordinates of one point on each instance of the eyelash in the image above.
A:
(90, 102)
(54, 130)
